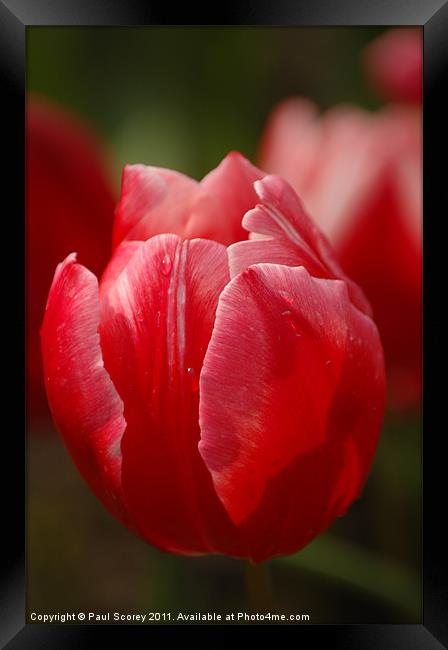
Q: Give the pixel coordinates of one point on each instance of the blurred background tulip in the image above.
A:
(69, 207)
(359, 174)
(394, 63)
(183, 98)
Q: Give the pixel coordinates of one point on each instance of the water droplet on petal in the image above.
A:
(328, 363)
(166, 265)
(191, 372)
(289, 318)
(287, 297)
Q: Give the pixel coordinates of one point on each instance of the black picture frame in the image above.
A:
(432, 15)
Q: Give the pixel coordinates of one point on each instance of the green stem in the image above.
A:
(259, 592)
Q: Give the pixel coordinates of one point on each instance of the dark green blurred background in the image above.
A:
(182, 98)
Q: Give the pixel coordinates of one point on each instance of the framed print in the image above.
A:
(226, 353)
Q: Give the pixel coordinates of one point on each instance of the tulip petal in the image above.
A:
(156, 322)
(303, 501)
(85, 405)
(290, 238)
(292, 367)
(231, 184)
(118, 262)
(153, 200)
(69, 206)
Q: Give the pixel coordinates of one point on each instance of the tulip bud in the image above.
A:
(219, 396)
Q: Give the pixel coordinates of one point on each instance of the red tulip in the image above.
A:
(217, 400)
(69, 205)
(359, 175)
(394, 64)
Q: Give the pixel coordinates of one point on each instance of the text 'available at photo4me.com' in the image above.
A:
(166, 617)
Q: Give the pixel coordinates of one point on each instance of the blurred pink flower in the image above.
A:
(360, 176)
(394, 62)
